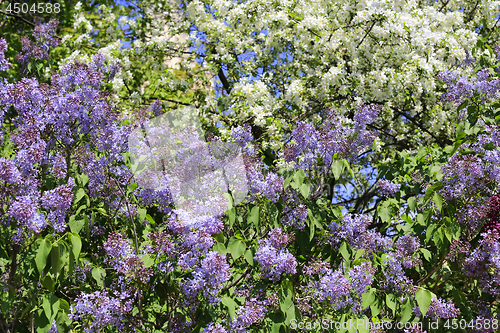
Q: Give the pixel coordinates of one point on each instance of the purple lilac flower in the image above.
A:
(97, 310)
(209, 277)
(247, 315)
(334, 287)
(461, 87)
(311, 144)
(483, 263)
(362, 276)
(23, 208)
(388, 188)
(270, 186)
(53, 328)
(439, 309)
(9, 171)
(156, 107)
(493, 214)
(463, 174)
(44, 35)
(273, 258)
(4, 63)
(395, 278)
(405, 248)
(350, 228)
(214, 328)
(294, 211)
(242, 135)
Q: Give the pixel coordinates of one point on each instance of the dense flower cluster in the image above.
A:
(388, 188)
(312, 145)
(272, 256)
(99, 309)
(101, 250)
(461, 87)
(439, 309)
(4, 63)
(45, 39)
(340, 289)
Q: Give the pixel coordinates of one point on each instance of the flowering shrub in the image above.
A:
(94, 241)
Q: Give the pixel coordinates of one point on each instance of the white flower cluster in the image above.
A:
(316, 52)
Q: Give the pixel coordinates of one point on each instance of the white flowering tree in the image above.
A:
(275, 63)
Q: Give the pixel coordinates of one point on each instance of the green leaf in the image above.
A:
(49, 283)
(338, 168)
(230, 304)
(55, 258)
(384, 213)
(424, 298)
(249, 256)
(76, 245)
(221, 248)
(298, 178)
(273, 215)
(50, 306)
(438, 200)
(236, 247)
(376, 307)
(390, 300)
(79, 195)
(412, 203)
(304, 190)
(406, 311)
(254, 216)
(427, 254)
(99, 274)
(348, 167)
(42, 254)
(430, 191)
(285, 298)
(362, 324)
(368, 299)
(148, 260)
(142, 213)
(231, 214)
(344, 251)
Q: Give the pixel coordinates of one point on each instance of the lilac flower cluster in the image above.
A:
(294, 211)
(44, 35)
(214, 328)
(406, 246)
(60, 126)
(242, 135)
(463, 174)
(273, 258)
(483, 263)
(57, 202)
(388, 188)
(4, 63)
(493, 214)
(99, 309)
(439, 309)
(269, 185)
(209, 277)
(124, 260)
(461, 87)
(395, 278)
(252, 312)
(312, 144)
(340, 289)
(349, 229)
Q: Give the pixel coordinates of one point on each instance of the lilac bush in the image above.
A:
(87, 245)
